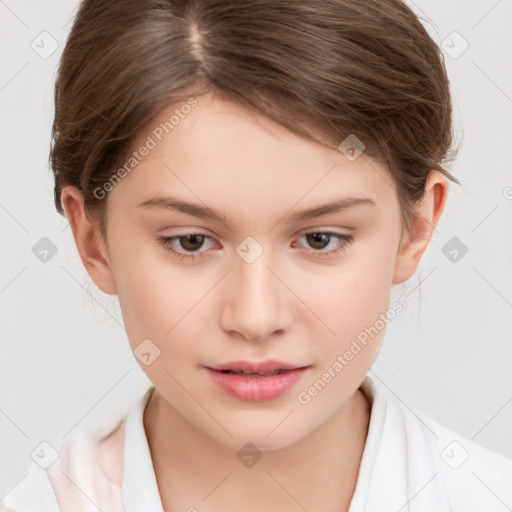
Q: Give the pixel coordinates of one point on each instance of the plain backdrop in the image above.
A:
(65, 360)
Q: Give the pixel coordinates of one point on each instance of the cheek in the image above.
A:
(156, 297)
(352, 299)
(353, 302)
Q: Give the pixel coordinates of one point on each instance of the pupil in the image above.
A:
(195, 240)
(318, 238)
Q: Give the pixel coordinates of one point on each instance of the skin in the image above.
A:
(290, 304)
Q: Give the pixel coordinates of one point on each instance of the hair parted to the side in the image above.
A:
(323, 69)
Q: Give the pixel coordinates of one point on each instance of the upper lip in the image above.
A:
(256, 367)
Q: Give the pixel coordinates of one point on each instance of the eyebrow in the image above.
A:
(196, 210)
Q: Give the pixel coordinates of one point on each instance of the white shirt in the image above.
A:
(410, 463)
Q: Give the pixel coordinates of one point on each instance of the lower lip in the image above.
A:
(256, 388)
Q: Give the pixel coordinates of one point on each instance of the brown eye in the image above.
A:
(191, 246)
(318, 240)
(191, 242)
(321, 243)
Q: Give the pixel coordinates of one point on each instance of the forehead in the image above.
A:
(216, 130)
(217, 151)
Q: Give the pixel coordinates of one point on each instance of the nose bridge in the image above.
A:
(257, 302)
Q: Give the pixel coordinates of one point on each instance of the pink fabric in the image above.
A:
(88, 475)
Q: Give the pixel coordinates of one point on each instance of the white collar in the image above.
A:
(402, 466)
(407, 465)
(140, 488)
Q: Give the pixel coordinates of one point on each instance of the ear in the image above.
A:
(88, 239)
(416, 239)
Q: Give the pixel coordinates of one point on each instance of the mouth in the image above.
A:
(256, 382)
(268, 367)
(261, 374)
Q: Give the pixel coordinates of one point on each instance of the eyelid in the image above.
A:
(338, 230)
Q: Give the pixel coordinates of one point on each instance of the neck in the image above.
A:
(193, 470)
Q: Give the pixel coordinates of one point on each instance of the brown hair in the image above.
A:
(361, 67)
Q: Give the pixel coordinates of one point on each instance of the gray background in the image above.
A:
(65, 360)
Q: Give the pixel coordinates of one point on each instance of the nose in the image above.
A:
(256, 303)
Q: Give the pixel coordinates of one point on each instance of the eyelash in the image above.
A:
(347, 239)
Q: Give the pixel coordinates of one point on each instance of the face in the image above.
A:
(258, 280)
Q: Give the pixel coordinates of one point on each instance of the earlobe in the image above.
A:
(88, 239)
(423, 223)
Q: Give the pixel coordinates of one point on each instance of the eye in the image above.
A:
(319, 240)
(190, 243)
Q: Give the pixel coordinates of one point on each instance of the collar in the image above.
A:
(399, 468)
(140, 488)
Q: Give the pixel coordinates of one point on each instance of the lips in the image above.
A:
(269, 367)
(261, 374)
(261, 381)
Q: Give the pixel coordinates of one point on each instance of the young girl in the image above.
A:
(251, 179)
